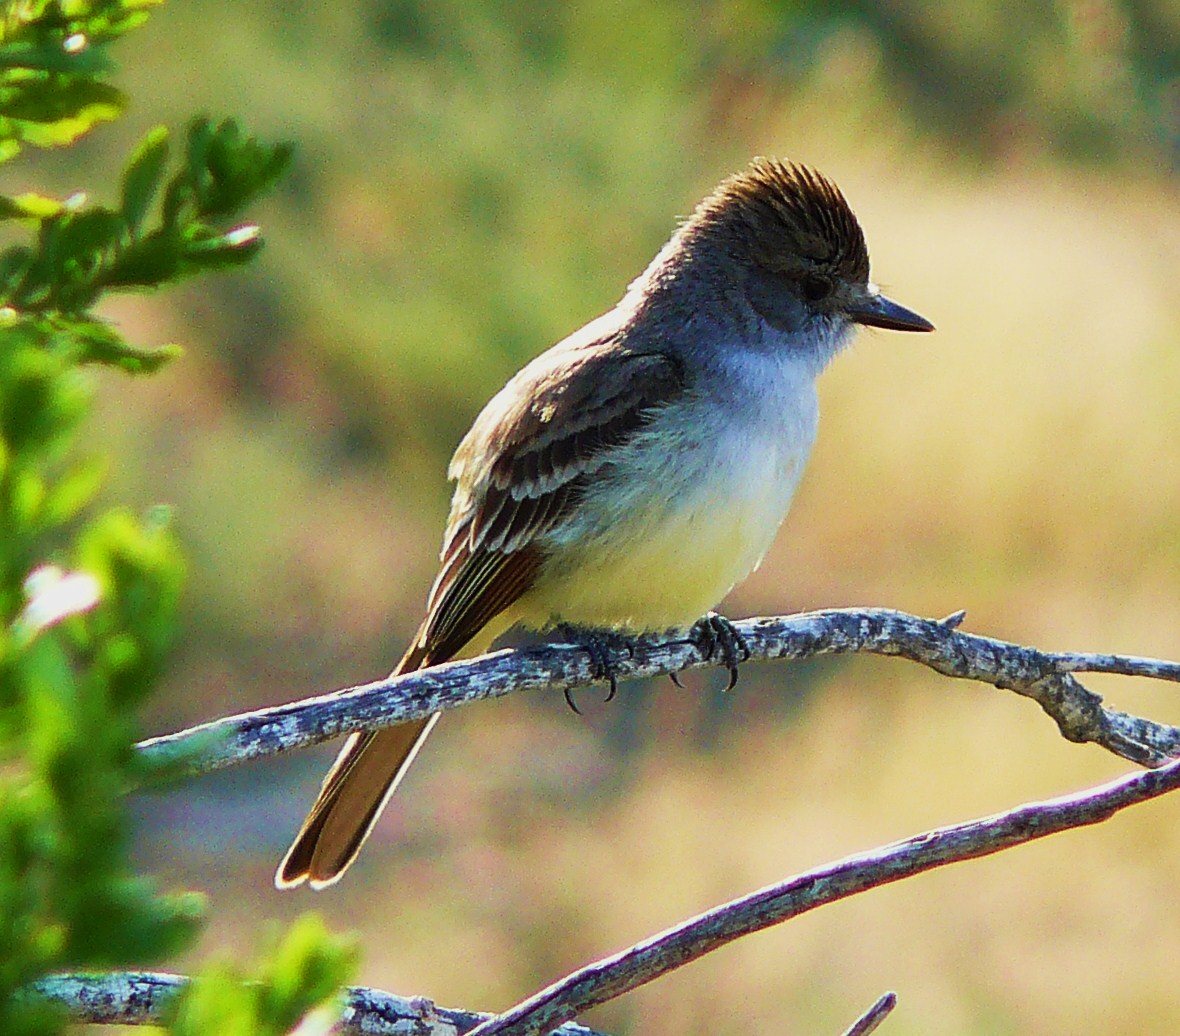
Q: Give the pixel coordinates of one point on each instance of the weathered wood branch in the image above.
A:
(143, 998)
(613, 976)
(1046, 677)
(147, 997)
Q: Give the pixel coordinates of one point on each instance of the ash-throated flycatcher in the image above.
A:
(630, 476)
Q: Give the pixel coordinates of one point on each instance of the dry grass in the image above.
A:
(1023, 463)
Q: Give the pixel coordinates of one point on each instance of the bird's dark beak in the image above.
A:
(875, 310)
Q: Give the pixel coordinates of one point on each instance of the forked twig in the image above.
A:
(1046, 677)
(148, 997)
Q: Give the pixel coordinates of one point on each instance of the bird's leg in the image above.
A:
(719, 640)
(603, 646)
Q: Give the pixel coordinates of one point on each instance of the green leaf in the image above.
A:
(77, 247)
(109, 18)
(142, 177)
(49, 55)
(219, 251)
(56, 111)
(307, 969)
(86, 233)
(147, 262)
(140, 569)
(29, 206)
(14, 264)
(228, 170)
(97, 342)
(40, 401)
(74, 490)
(178, 196)
(304, 973)
(196, 143)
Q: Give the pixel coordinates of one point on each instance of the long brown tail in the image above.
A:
(353, 794)
(469, 607)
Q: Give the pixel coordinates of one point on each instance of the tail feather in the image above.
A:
(353, 795)
(366, 772)
(368, 769)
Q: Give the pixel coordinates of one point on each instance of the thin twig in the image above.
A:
(1046, 677)
(873, 1017)
(613, 976)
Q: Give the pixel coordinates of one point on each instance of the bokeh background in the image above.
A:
(476, 178)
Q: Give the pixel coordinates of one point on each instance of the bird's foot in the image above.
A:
(604, 647)
(718, 640)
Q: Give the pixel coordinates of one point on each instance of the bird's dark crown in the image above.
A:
(783, 215)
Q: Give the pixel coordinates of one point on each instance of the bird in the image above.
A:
(628, 477)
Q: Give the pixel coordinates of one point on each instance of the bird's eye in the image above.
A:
(815, 287)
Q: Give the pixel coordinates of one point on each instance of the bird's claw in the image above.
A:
(601, 646)
(719, 640)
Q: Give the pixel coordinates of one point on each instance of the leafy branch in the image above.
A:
(79, 252)
(88, 598)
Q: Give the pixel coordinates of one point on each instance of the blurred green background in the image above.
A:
(476, 179)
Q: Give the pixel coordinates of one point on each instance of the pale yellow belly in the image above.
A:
(665, 568)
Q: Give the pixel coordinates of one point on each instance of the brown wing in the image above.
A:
(520, 470)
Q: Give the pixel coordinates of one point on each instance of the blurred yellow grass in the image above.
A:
(1020, 463)
(456, 216)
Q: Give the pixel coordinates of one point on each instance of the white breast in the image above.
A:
(690, 507)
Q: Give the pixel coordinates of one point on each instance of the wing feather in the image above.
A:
(519, 470)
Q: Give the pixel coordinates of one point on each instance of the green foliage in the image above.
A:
(50, 58)
(49, 63)
(302, 973)
(88, 600)
(80, 251)
(84, 627)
